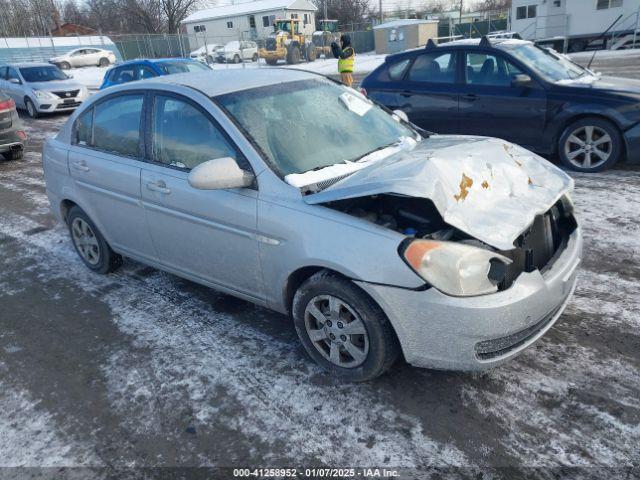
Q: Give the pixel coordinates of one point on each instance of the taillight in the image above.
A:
(21, 135)
(7, 105)
(363, 92)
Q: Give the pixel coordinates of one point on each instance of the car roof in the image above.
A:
(219, 82)
(464, 43)
(152, 60)
(27, 64)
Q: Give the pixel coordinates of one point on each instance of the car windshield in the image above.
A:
(42, 74)
(552, 67)
(311, 124)
(169, 68)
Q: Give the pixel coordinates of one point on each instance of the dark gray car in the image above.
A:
(12, 136)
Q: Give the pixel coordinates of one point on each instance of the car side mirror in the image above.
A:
(521, 80)
(15, 80)
(218, 174)
(402, 115)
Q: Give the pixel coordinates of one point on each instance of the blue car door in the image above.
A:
(430, 89)
(492, 105)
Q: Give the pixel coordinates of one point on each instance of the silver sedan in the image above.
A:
(293, 192)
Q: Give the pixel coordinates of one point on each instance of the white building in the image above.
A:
(251, 20)
(576, 19)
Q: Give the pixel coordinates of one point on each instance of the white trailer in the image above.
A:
(573, 25)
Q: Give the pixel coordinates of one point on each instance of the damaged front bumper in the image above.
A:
(476, 333)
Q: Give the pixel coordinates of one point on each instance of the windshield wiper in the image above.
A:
(359, 159)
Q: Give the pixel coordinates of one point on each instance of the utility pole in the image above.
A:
(460, 17)
(381, 15)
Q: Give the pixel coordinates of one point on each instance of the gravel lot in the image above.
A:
(142, 368)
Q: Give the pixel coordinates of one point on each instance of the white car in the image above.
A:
(84, 57)
(207, 50)
(235, 52)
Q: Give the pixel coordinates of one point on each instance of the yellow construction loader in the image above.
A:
(287, 43)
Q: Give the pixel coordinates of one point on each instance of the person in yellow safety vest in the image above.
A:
(346, 56)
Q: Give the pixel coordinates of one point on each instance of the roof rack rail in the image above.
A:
(485, 42)
(430, 44)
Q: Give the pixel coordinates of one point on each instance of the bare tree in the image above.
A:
(345, 11)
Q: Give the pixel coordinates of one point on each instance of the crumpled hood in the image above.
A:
(486, 187)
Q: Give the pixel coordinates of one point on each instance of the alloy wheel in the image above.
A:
(336, 331)
(85, 241)
(588, 147)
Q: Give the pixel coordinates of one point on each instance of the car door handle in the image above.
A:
(80, 165)
(406, 94)
(158, 186)
(470, 97)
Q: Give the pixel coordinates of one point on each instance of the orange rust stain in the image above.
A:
(465, 185)
(530, 182)
(485, 184)
(506, 149)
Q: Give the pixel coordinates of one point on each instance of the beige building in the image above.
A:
(399, 35)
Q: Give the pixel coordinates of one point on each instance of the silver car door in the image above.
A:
(15, 90)
(208, 235)
(106, 166)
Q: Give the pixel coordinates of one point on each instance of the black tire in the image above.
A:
(14, 154)
(311, 53)
(255, 57)
(236, 58)
(600, 127)
(271, 61)
(104, 62)
(31, 108)
(293, 56)
(383, 346)
(107, 260)
(65, 65)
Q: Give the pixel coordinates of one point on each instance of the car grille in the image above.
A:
(67, 94)
(496, 347)
(539, 244)
(270, 44)
(62, 106)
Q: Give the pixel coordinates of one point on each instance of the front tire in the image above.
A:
(92, 248)
(254, 58)
(32, 111)
(293, 57)
(590, 144)
(342, 329)
(65, 65)
(236, 59)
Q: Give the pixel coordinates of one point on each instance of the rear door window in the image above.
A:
(83, 129)
(116, 125)
(124, 74)
(145, 72)
(434, 68)
(397, 70)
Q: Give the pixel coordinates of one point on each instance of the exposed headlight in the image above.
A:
(42, 95)
(455, 268)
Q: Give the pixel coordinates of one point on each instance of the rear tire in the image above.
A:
(236, 59)
(311, 53)
(254, 58)
(31, 108)
(92, 248)
(13, 154)
(342, 329)
(590, 144)
(293, 56)
(104, 62)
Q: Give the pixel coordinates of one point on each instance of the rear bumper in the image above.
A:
(476, 333)
(10, 141)
(632, 144)
(6, 147)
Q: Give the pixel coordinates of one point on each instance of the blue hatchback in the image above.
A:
(149, 68)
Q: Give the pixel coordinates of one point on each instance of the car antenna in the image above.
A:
(430, 44)
(599, 37)
(485, 42)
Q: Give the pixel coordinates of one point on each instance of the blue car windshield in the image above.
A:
(42, 74)
(549, 66)
(169, 67)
